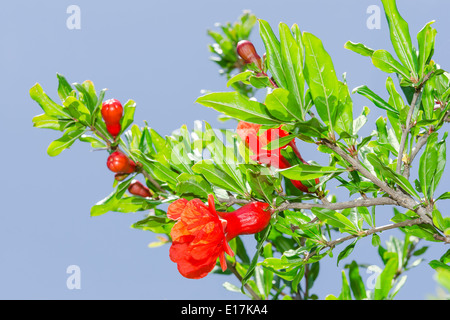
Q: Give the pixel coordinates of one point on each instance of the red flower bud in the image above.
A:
(120, 163)
(112, 112)
(249, 219)
(138, 189)
(246, 50)
(114, 129)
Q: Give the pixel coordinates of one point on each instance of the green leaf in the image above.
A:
(356, 282)
(384, 61)
(216, 176)
(344, 113)
(261, 238)
(262, 185)
(49, 122)
(87, 94)
(443, 278)
(395, 99)
(345, 292)
(333, 218)
(50, 108)
(64, 88)
(438, 220)
(78, 110)
(193, 184)
(310, 128)
(385, 279)
(307, 172)
(239, 77)
(400, 37)
(389, 173)
(428, 165)
(359, 48)
(281, 104)
(292, 61)
(372, 96)
(321, 78)
(59, 145)
(154, 223)
(223, 156)
(273, 53)
(426, 39)
(444, 196)
(436, 264)
(238, 106)
(128, 115)
(346, 252)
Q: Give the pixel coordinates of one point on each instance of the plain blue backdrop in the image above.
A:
(154, 52)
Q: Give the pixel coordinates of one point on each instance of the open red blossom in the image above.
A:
(201, 234)
(256, 141)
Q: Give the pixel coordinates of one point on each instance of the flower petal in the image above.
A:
(176, 209)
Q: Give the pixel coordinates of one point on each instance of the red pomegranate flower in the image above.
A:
(256, 141)
(201, 234)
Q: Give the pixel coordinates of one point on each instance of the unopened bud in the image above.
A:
(246, 50)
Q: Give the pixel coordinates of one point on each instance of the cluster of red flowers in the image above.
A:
(201, 234)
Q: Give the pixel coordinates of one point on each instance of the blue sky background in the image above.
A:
(154, 52)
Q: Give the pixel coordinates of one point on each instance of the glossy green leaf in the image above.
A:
(308, 172)
(384, 61)
(129, 109)
(425, 39)
(48, 105)
(273, 53)
(59, 145)
(400, 37)
(346, 252)
(217, 176)
(333, 218)
(78, 110)
(384, 281)
(64, 88)
(359, 48)
(345, 291)
(238, 106)
(343, 122)
(49, 122)
(428, 165)
(193, 184)
(321, 78)
(239, 77)
(282, 105)
(389, 173)
(292, 59)
(356, 282)
(372, 96)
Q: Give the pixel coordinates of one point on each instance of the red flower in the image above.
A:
(256, 141)
(201, 234)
